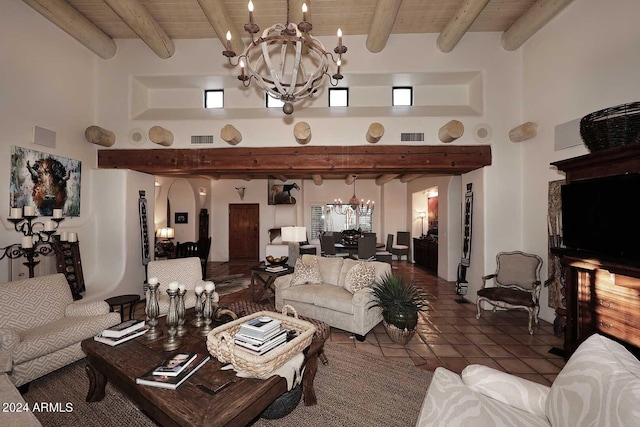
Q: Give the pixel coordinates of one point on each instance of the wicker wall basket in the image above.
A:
(611, 127)
(220, 344)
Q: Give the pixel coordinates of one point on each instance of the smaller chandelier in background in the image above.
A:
(286, 61)
(355, 204)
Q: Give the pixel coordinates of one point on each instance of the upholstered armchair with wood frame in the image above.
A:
(517, 284)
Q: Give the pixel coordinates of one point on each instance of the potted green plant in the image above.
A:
(400, 301)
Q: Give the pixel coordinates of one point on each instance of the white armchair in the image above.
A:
(185, 271)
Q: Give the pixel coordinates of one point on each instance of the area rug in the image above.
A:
(229, 284)
(355, 389)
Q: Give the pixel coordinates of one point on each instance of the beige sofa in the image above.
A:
(41, 327)
(599, 386)
(329, 301)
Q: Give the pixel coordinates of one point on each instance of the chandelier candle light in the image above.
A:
(286, 61)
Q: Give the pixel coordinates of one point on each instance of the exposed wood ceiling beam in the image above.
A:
(317, 179)
(219, 18)
(410, 177)
(383, 179)
(76, 25)
(459, 24)
(301, 162)
(382, 22)
(536, 17)
(143, 24)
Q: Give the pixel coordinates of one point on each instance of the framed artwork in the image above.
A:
(181, 218)
(44, 181)
(280, 193)
(432, 209)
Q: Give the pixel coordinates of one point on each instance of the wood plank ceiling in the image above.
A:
(98, 23)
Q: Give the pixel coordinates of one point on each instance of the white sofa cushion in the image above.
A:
(450, 402)
(326, 296)
(360, 276)
(599, 386)
(329, 267)
(306, 273)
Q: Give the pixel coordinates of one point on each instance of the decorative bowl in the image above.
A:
(277, 261)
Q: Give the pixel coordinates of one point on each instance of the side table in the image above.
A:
(122, 300)
(262, 281)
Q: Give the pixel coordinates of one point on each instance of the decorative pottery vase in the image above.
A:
(400, 327)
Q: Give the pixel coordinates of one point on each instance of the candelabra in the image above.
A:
(152, 309)
(181, 310)
(37, 236)
(208, 309)
(172, 342)
(198, 322)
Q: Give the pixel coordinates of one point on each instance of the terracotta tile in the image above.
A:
(405, 360)
(467, 329)
(541, 366)
(520, 350)
(445, 350)
(515, 366)
(495, 350)
(456, 339)
(415, 350)
(481, 339)
(469, 350)
(455, 364)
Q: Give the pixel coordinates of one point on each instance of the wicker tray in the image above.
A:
(611, 127)
(220, 344)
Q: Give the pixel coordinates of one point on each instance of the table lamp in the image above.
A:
(293, 236)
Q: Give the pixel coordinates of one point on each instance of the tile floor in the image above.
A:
(448, 333)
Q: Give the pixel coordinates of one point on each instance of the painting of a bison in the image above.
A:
(44, 181)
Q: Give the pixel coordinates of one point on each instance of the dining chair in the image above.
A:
(328, 247)
(384, 254)
(366, 248)
(402, 245)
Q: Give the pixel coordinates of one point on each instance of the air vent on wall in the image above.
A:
(411, 136)
(202, 139)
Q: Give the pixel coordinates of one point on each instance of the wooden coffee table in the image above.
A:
(194, 403)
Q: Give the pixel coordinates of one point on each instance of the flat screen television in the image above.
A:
(603, 216)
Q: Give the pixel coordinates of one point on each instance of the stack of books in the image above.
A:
(122, 332)
(261, 335)
(276, 268)
(174, 370)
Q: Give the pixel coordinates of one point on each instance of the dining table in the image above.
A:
(352, 248)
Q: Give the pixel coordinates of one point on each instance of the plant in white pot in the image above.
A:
(400, 302)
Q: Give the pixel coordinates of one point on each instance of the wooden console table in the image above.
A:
(602, 293)
(425, 253)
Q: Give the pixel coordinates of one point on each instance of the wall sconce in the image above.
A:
(202, 191)
(157, 182)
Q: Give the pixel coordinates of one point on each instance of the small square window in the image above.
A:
(274, 102)
(214, 98)
(338, 97)
(402, 96)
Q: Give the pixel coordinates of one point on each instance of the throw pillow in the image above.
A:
(306, 273)
(360, 276)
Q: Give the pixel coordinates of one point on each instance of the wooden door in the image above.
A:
(244, 239)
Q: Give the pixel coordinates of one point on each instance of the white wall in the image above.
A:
(47, 80)
(584, 60)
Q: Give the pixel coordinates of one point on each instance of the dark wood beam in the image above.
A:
(301, 162)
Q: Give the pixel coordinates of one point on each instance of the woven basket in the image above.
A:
(612, 127)
(220, 344)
